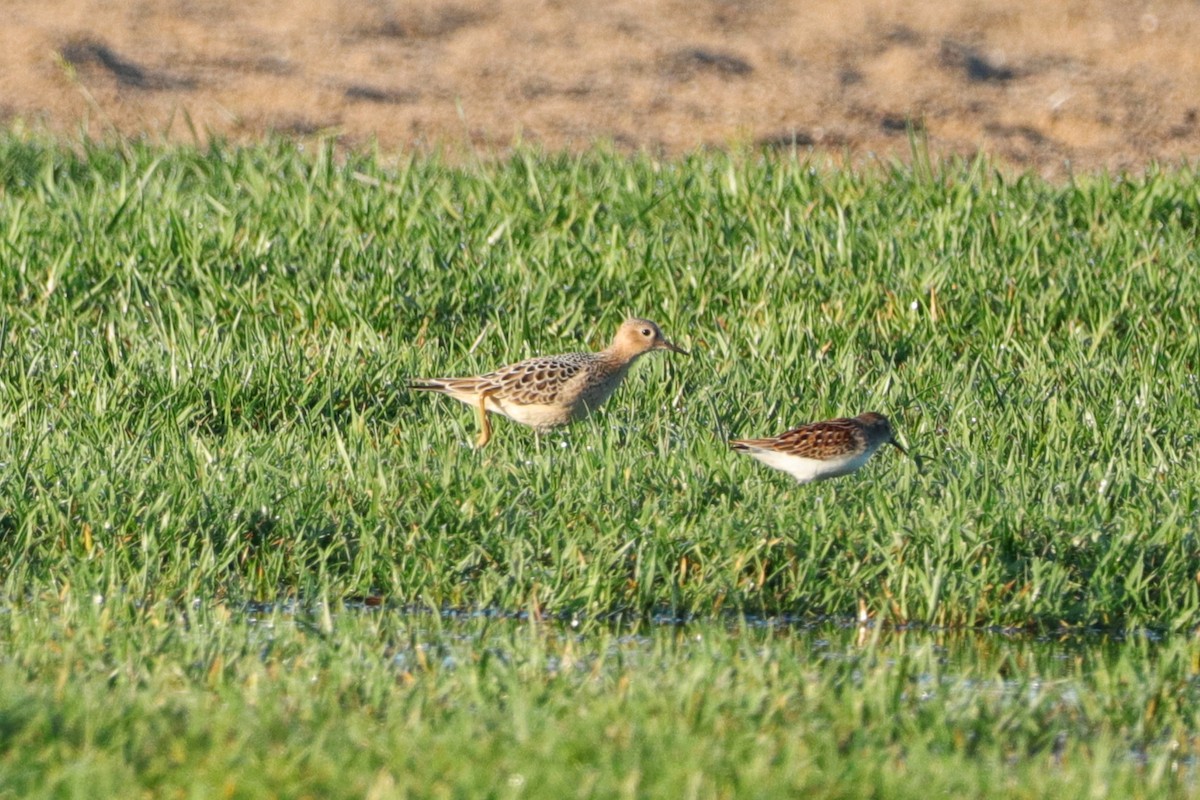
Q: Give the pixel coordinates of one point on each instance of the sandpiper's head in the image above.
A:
(637, 336)
(879, 430)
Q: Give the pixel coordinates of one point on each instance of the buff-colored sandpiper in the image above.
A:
(823, 450)
(550, 391)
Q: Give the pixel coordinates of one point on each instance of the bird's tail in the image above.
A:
(427, 385)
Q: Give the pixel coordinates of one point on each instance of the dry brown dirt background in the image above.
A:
(1047, 85)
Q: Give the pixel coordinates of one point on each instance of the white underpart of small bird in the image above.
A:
(810, 470)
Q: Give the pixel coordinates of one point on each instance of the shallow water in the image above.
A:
(1076, 702)
(1073, 683)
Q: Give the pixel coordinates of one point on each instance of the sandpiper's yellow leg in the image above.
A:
(485, 425)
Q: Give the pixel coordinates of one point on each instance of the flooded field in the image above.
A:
(1020, 699)
(204, 356)
(272, 697)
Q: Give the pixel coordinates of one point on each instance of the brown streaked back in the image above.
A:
(817, 440)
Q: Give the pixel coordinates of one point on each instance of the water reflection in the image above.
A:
(1026, 696)
(1001, 658)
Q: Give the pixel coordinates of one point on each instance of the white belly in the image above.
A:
(808, 470)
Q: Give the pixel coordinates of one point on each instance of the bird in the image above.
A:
(551, 391)
(822, 450)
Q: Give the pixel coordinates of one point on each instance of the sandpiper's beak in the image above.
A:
(898, 446)
(674, 348)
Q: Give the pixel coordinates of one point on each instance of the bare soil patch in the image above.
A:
(1053, 86)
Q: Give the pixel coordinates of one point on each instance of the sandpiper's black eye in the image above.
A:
(646, 332)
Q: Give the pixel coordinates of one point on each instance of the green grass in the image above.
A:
(203, 701)
(202, 404)
(201, 388)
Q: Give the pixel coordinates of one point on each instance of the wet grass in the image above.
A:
(207, 701)
(202, 405)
